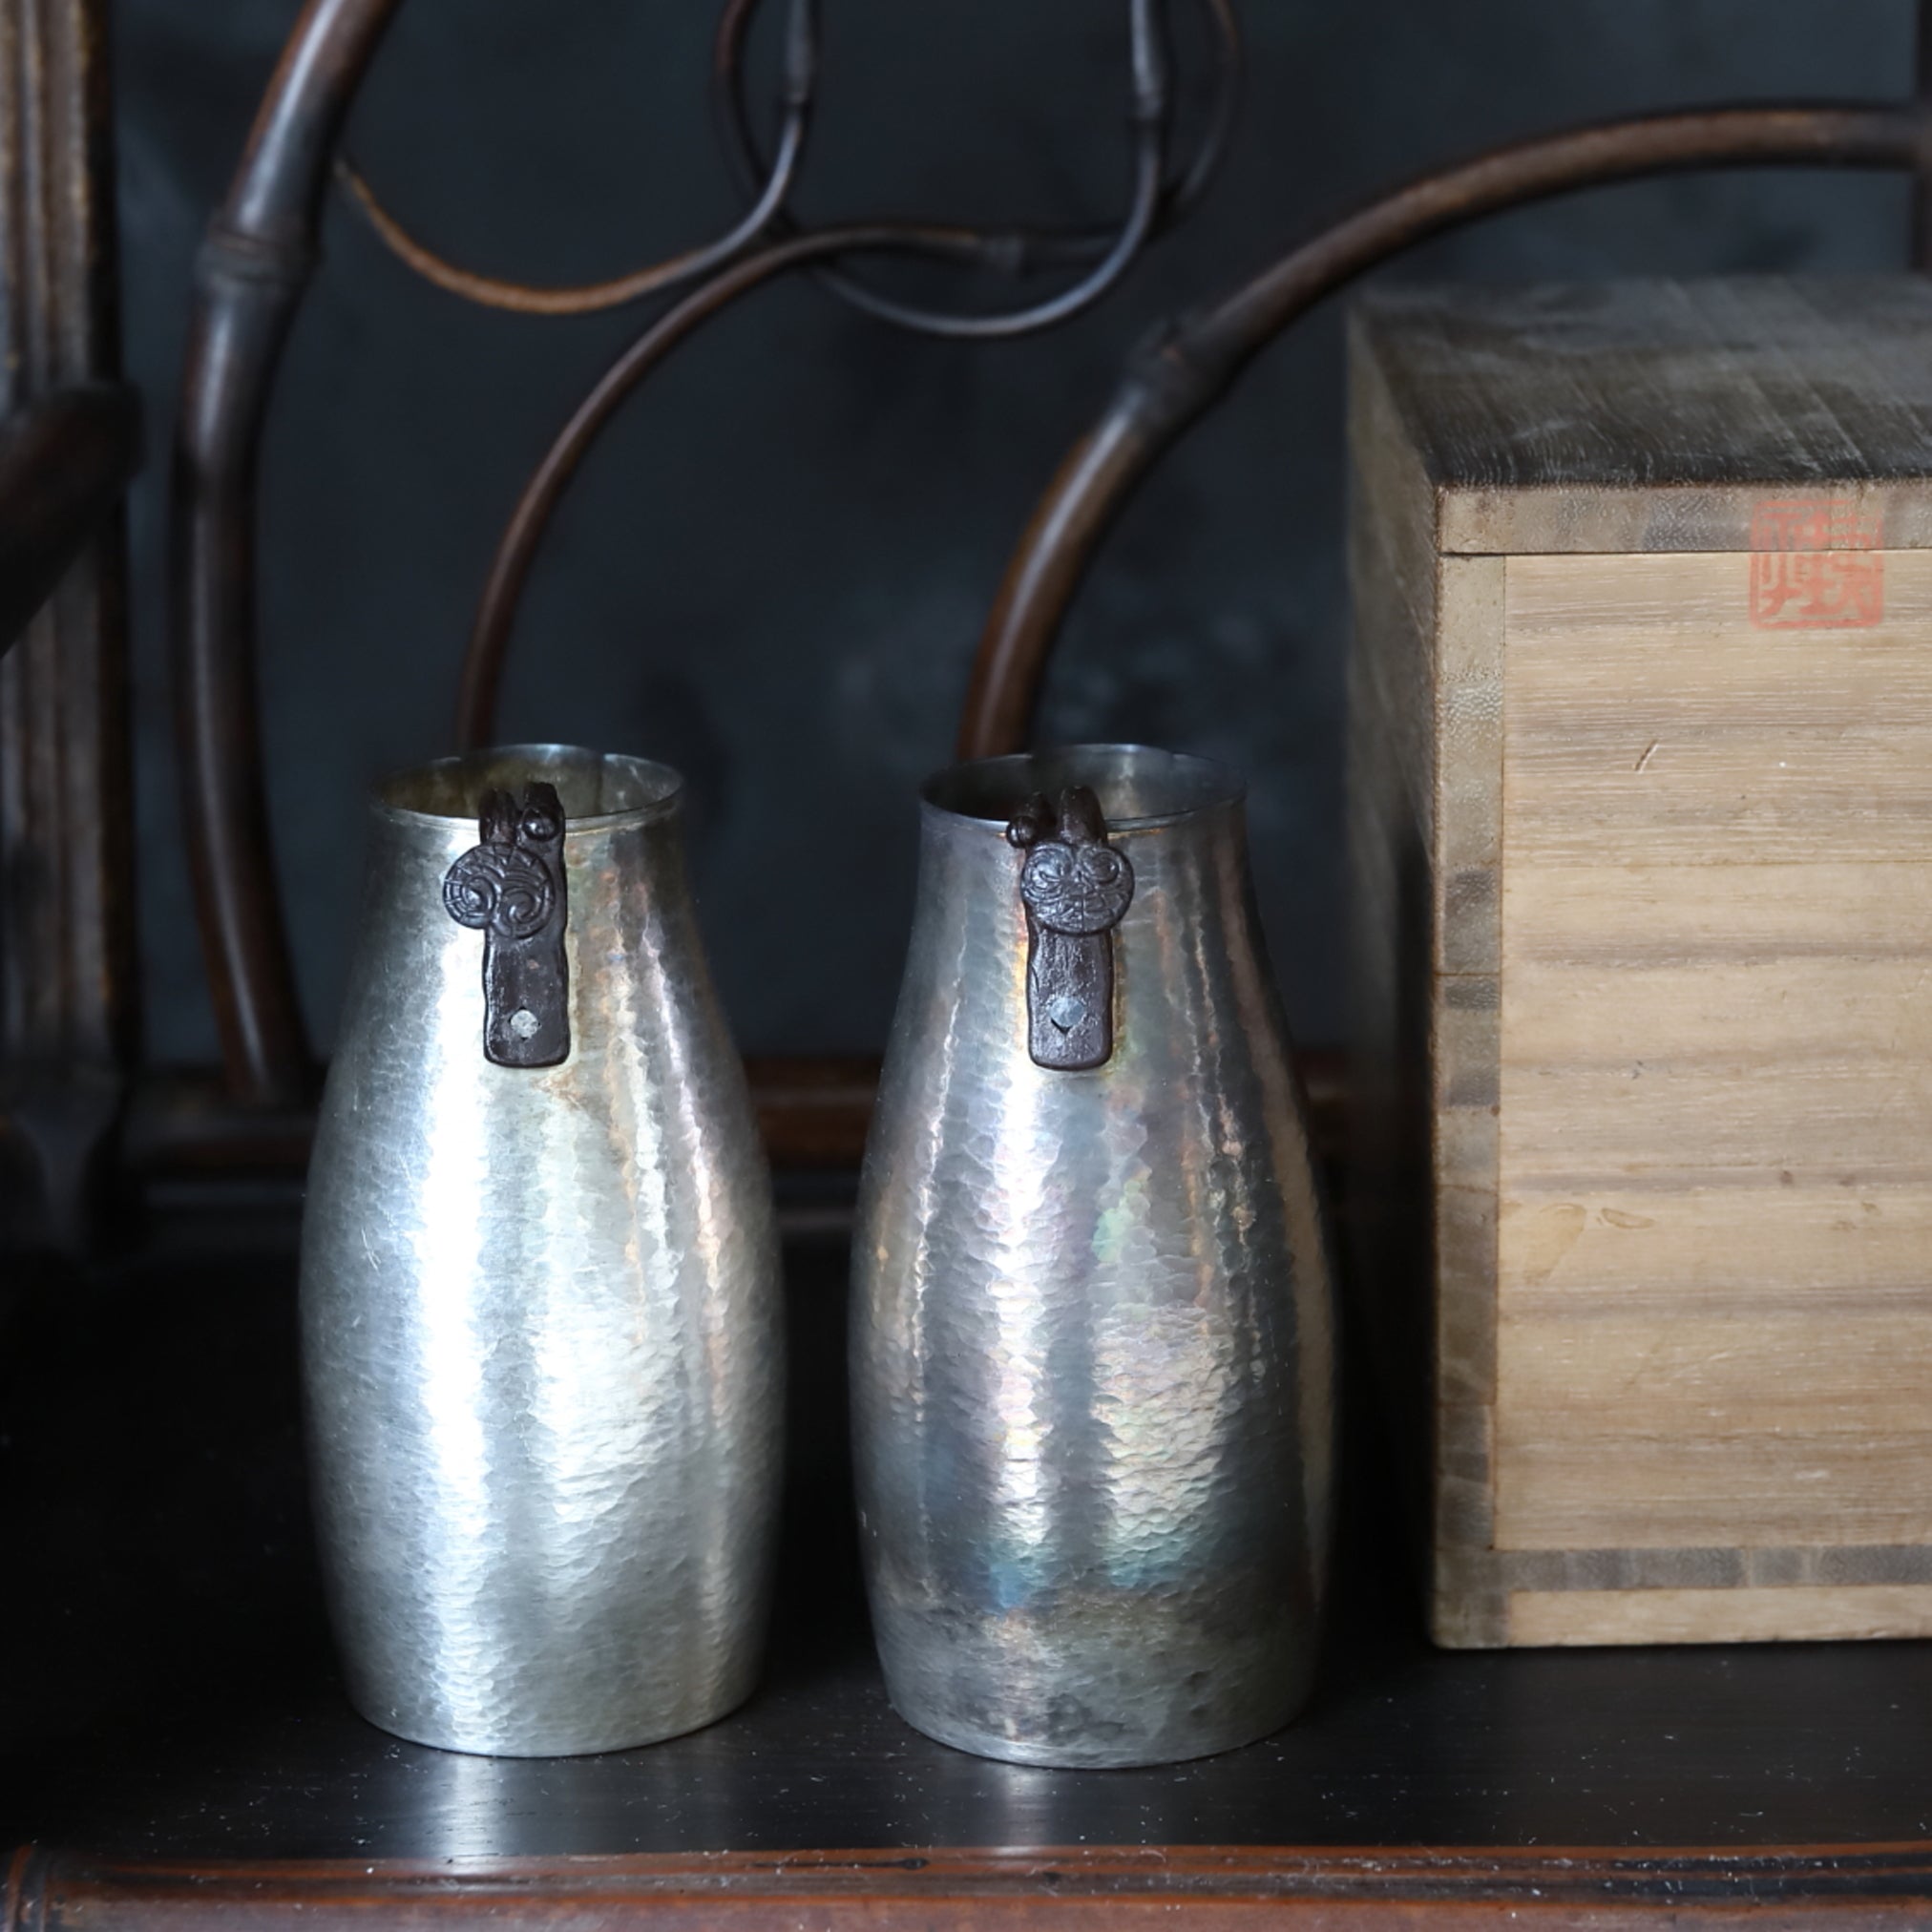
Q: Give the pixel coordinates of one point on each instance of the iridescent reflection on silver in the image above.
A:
(1093, 1349)
(541, 1324)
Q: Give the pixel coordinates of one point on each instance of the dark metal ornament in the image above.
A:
(511, 889)
(1075, 887)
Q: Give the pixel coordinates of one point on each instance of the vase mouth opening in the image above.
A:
(598, 790)
(1139, 785)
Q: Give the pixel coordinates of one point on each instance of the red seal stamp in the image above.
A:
(1816, 565)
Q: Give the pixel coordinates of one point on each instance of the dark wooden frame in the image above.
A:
(69, 1051)
(68, 1006)
(1104, 1888)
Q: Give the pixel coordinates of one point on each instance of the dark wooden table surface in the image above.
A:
(172, 1696)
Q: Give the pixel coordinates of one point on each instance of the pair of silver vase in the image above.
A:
(1092, 1353)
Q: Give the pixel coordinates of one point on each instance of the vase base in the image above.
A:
(534, 1742)
(1062, 1753)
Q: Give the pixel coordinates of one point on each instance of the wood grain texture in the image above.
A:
(1674, 960)
(960, 1890)
(1657, 1616)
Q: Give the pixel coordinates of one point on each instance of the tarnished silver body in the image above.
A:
(1093, 1348)
(542, 1326)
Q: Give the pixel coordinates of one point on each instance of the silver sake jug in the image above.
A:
(1093, 1347)
(540, 1315)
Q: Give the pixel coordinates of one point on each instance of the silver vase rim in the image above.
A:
(624, 791)
(1160, 788)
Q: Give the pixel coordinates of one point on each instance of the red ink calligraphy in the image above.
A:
(1816, 565)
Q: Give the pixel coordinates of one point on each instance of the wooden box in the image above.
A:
(1641, 816)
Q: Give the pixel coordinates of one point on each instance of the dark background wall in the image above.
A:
(774, 570)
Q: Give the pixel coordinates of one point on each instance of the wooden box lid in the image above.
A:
(1656, 415)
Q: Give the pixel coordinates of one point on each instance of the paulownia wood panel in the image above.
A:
(1652, 722)
(1713, 1297)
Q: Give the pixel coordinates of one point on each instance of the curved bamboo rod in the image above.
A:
(257, 256)
(797, 86)
(482, 673)
(1155, 202)
(579, 298)
(1159, 200)
(1174, 382)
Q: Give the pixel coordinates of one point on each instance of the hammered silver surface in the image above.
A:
(1093, 1345)
(541, 1311)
